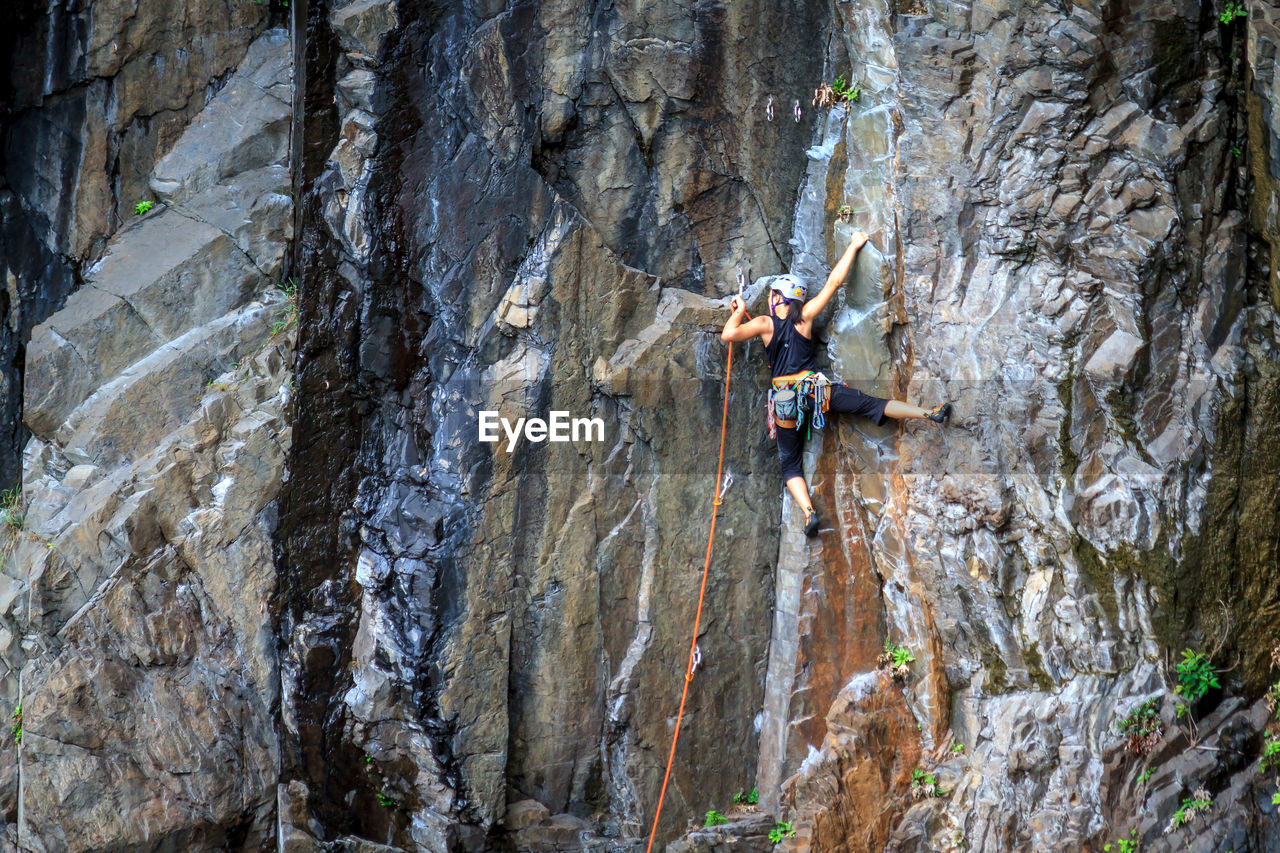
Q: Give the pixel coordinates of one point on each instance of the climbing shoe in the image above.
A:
(811, 523)
(940, 413)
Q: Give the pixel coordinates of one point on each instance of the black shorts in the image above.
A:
(844, 400)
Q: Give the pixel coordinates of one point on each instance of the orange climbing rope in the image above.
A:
(697, 618)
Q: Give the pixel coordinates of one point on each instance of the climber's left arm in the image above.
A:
(839, 273)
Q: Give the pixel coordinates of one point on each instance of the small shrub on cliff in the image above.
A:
(386, 802)
(781, 829)
(897, 659)
(143, 206)
(1270, 759)
(1199, 803)
(16, 728)
(836, 92)
(1195, 678)
(1143, 726)
(290, 315)
(747, 798)
(714, 818)
(1231, 12)
(925, 785)
(1123, 845)
(845, 91)
(11, 515)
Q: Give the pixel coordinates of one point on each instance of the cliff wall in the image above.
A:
(268, 589)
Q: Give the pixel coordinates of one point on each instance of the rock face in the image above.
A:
(547, 215)
(1068, 262)
(93, 95)
(135, 634)
(389, 634)
(520, 621)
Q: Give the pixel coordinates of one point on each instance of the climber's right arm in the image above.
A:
(736, 331)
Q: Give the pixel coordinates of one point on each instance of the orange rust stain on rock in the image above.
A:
(853, 797)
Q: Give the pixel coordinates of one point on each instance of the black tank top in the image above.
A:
(789, 351)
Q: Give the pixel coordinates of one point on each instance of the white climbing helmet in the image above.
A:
(789, 286)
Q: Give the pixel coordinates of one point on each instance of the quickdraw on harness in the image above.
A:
(786, 407)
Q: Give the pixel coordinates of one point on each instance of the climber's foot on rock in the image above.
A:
(811, 523)
(940, 414)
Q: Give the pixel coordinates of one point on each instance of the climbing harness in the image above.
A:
(695, 654)
(795, 395)
(817, 386)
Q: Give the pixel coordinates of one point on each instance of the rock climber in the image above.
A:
(799, 390)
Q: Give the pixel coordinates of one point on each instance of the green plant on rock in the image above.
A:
(1270, 759)
(1192, 807)
(1273, 699)
(836, 92)
(1275, 799)
(1146, 774)
(1143, 726)
(143, 206)
(290, 315)
(925, 784)
(747, 798)
(957, 748)
(16, 728)
(897, 659)
(781, 829)
(845, 90)
(714, 818)
(1196, 677)
(1123, 845)
(11, 514)
(1231, 12)
(386, 801)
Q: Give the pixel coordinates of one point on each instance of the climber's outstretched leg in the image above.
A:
(852, 401)
(901, 411)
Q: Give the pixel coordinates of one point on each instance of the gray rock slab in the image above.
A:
(254, 210)
(245, 127)
(133, 412)
(176, 273)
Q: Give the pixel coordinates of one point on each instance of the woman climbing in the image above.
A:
(799, 391)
